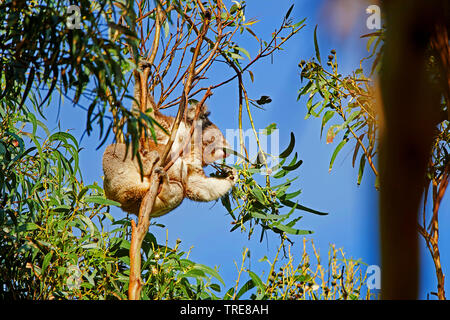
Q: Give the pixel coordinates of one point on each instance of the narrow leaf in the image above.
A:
(316, 45)
(289, 149)
(336, 151)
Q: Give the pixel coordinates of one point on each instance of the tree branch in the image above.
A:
(139, 231)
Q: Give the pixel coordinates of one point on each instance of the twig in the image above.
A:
(187, 89)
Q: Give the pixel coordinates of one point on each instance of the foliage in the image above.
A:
(57, 238)
(39, 52)
(260, 205)
(340, 279)
(55, 242)
(351, 98)
(47, 229)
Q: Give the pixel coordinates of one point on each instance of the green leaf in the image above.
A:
(62, 208)
(288, 13)
(63, 136)
(229, 295)
(298, 24)
(192, 274)
(234, 55)
(292, 195)
(258, 283)
(88, 222)
(336, 151)
(27, 227)
(101, 200)
(227, 204)
(290, 230)
(233, 152)
(166, 28)
(245, 288)
(312, 108)
(268, 216)
(354, 115)
(291, 204)
(46, 261)
(215, 287)
(355, 153)
(292, 167)
(244, 52)
(305, 89)
(316, 45)
(209, 271)
(259, 195)
(90, 246)
(362, 164)
(290, 147)
(326, 117)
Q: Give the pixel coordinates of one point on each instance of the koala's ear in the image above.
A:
(191, 111)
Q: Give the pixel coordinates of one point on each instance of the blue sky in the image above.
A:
(352, 223)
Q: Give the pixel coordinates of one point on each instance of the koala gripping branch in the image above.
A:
(139, 231)
(137, 236)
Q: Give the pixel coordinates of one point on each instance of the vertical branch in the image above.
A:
(432, 237)
(139, 231)
(443, 184)
(157, 34)
(137, 236)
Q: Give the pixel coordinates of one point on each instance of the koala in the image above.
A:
(184, 179)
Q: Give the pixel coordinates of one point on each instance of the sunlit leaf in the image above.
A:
(336, 151)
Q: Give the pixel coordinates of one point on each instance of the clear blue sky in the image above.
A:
(352, 223)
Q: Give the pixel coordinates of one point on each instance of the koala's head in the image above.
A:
(213, 144)
(213, 141)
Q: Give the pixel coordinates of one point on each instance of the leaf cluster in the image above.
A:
(260, 205)
(350, 100)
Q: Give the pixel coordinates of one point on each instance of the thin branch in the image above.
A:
(187, 89)
(191, 132)
(155, 44)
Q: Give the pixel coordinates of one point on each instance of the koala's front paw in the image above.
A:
(232, 175)
(163, 174)
(144, 64)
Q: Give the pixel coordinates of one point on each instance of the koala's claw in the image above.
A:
(232, 175)
(163, 174)
(161, 171)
